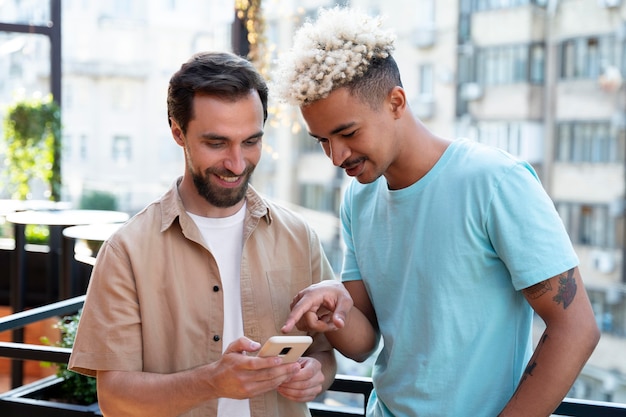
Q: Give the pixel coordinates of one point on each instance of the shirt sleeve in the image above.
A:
(109, 334)
(350, 268)
(526, 230)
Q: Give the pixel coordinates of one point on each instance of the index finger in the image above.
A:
(299, 307)
(313, 312)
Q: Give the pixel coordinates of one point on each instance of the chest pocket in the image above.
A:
(283, 285)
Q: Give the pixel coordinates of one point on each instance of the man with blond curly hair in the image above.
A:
(450, 245)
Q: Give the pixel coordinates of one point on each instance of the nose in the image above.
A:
(337, 152)
(235, 161)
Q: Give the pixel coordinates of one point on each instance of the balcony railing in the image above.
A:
(343, 383)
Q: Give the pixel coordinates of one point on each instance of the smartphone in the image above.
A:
(290, 348)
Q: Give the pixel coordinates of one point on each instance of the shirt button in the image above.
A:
(216, 338)
(216, 288)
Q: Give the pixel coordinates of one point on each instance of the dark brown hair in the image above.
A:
(219, 74)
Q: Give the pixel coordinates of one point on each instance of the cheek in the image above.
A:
(253, 155)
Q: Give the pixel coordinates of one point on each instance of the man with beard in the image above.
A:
(185, 293)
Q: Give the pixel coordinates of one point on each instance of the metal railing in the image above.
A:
(343, 383)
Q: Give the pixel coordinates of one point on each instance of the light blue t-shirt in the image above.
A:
(443, 262)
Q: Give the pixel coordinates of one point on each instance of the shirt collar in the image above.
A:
(172, 206)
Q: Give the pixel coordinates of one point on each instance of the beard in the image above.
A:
(219, 196)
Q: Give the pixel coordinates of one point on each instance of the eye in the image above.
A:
(321, 141)
(348, 135)
(214, 144)
(252, 141)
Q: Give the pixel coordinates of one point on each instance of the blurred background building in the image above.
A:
(541, 79)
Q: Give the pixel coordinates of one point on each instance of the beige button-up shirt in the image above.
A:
(155, 304)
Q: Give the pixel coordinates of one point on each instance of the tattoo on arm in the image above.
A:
(565, 292)
(567, 289)
(538, 290)
(533, 362)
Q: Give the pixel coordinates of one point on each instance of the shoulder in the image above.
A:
(140, 227)
(479, 154)
(285, 214)
(477, 161)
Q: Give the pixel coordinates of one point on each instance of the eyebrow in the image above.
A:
(215, 136)
(337, 129)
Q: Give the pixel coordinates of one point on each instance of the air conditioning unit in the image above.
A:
(603, 261)
(471, 91)
(424, 37)
(609, 3)
(424, 106)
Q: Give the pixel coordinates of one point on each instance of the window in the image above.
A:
(586, 58)
(122, 96)
(426, 80)
(68, 148)
(425, 14)
(82, 146)
(318, 197)
(504, 135)
(121, 152)
(588, 224)
(481, 5)
(510, 64)
(589, 142)
(537, 64)
(465, 18)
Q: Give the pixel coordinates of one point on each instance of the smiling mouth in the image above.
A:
(353, 167)
(229, 179)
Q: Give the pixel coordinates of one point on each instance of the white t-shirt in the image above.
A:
(224, 238)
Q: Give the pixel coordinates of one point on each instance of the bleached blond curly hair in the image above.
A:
(335, 50)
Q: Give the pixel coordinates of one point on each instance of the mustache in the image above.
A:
(353, 162)
(229, 173)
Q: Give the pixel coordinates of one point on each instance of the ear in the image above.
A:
(177, 132)
(397, 101)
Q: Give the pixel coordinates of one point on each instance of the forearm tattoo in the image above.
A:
(532, 364)
(565, 292)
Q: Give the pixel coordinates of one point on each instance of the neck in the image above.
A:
(419, 152)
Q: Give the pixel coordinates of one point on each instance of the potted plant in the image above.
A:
(65, 394)
(32, 135)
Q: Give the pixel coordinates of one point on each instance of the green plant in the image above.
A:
(37, 234)
(32, 132)
(98, 200)
(77, 388)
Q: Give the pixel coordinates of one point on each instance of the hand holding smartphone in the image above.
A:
(290, 348)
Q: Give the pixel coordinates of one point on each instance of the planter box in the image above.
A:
(32, 400)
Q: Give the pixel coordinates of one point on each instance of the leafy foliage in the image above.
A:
(77, 388)
(37, 234)
(98, 200)
(32, 132)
